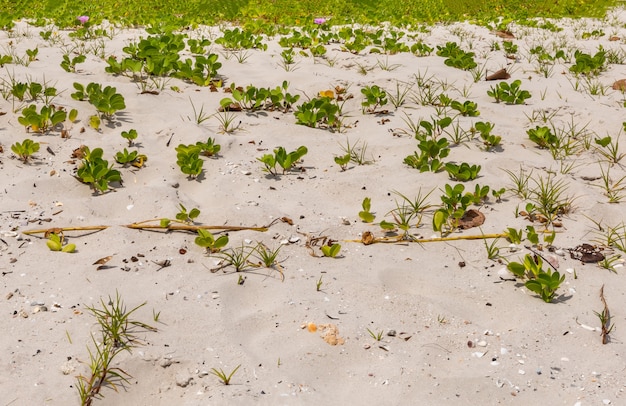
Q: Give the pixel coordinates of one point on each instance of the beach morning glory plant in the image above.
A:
(82, 19)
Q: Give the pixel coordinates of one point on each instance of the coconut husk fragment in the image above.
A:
(504, 34)
(471, 218)
(620, 85)
(502, 74)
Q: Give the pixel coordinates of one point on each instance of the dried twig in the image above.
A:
(143, 225)
(58, 230)
(605, 319)
(368, 238)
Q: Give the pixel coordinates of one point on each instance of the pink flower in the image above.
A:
(319, 21)
(82, 19)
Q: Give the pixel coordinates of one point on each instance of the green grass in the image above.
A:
(290, 12)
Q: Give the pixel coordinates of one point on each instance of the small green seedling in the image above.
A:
(430, 156)
(96, 171)
(187, 217)
(366, 215)
(588, 65)
(222, 376)
(489, 140)
(543, 137)
(480, 194)
(454, 204)
(374, 97)
(497, 194)
(130, 136)
(546, 284)
(55, 243)
(543, 283)
(510, 93)
(236, 257)
(268, 257)
(331, 250)
(188, 160)
(206, 240)
(376, 336)
(134, 158)
(466, 109)
(25, 149)
(463, 172)
(343, 161)
(69, 64)
(209, 148)
(320, 111)
(43, 120)
(609, 148)
(318, 284)
(106, 100)
(283, 159)
(493, 251)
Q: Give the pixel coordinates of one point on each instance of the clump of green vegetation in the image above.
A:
(119, 332)
(172, 14)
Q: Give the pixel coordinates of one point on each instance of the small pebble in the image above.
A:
(67, 367)
(183, 380)
(482, 343)
(165, 362)
(606, 401)
(391, 333)
(38, 309)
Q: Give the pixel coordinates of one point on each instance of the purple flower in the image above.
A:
(82, 19)
(319, 21)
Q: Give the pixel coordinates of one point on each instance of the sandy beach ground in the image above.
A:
(455, 328)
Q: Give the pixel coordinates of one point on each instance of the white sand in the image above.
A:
(531, 351)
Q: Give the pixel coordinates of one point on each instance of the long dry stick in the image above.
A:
(401, 239)
(144, 225)
(62, 229)
(190, 227)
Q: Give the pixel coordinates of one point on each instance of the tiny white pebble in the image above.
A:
(521, 371)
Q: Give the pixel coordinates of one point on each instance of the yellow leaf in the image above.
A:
(327, 93)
